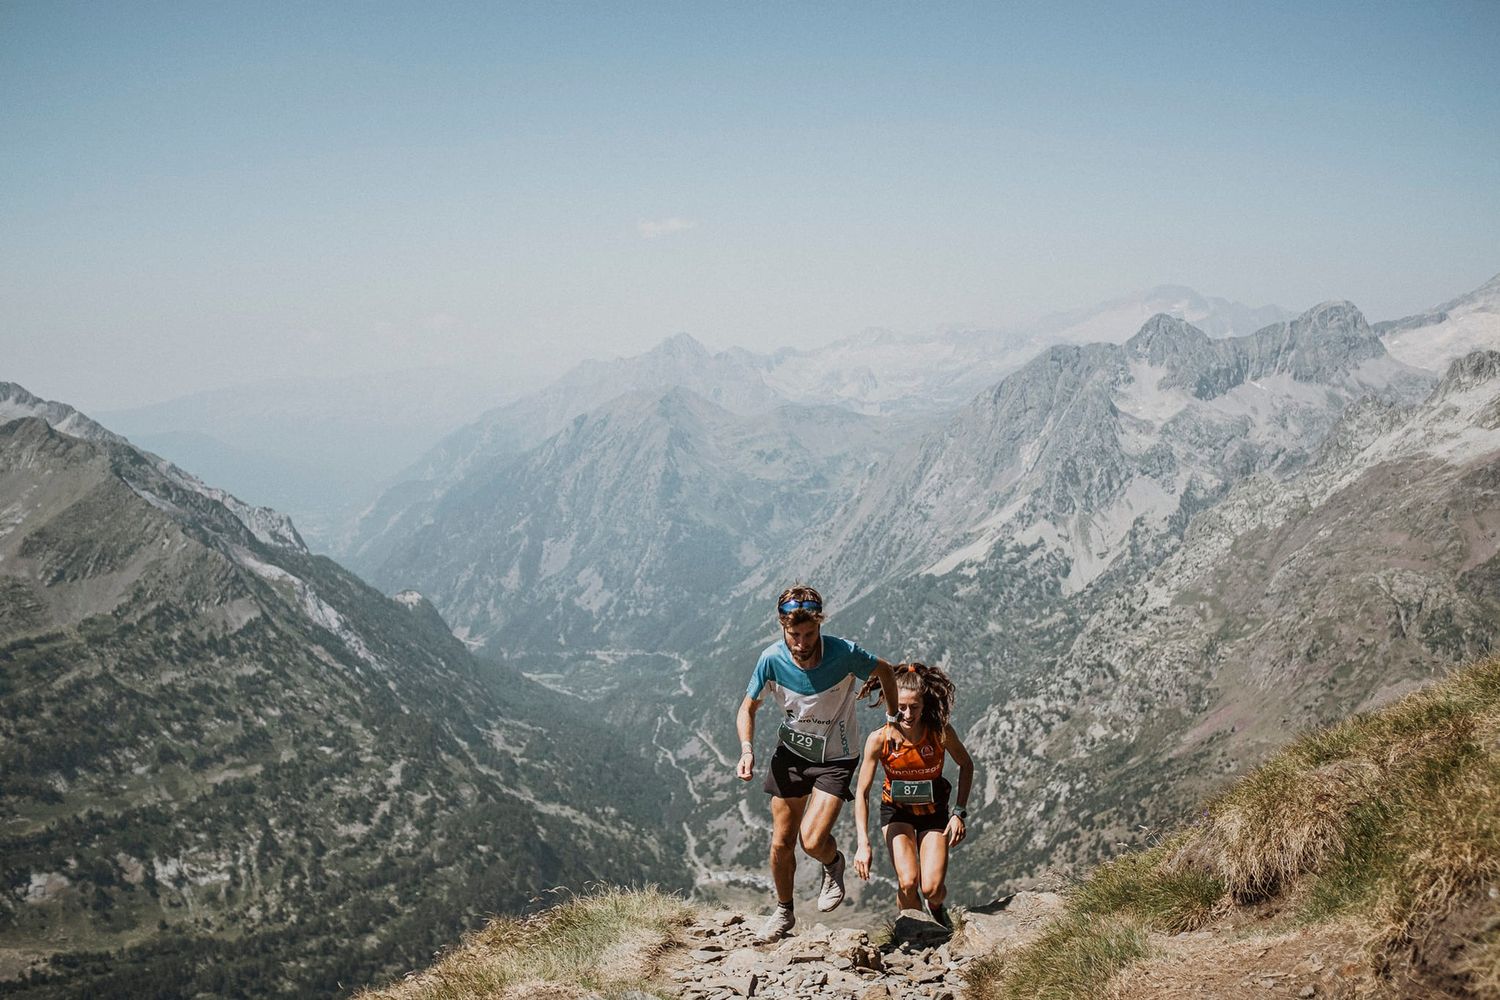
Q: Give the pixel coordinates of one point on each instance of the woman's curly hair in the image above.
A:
(935, 688)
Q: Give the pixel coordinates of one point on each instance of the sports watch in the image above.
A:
(962, 812)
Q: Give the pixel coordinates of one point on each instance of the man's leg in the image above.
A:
(786, 814)
(786, 818)
(821, 812)
(817, 840)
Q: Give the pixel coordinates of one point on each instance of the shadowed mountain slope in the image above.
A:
(230, 767)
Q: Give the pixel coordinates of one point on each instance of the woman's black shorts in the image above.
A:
(791, 777)
(895, 812)
(921, 822)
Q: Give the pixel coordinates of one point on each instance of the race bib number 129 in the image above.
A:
(804, 745)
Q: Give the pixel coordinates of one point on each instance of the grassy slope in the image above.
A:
(606, 941)
(1390, 821)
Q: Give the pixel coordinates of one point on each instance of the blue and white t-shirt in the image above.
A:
(818, 704)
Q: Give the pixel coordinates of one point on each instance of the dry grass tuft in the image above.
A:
(1446, 891)
(607, 941)
(1282, 822)
(1072, 960)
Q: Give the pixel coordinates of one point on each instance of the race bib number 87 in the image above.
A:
(911, 792)
(804, 745)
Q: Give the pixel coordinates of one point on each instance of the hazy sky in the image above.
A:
(198, 194)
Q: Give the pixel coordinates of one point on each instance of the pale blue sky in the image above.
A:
(196, 194)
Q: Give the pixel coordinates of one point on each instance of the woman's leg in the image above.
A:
(902, 841)
(934, 855)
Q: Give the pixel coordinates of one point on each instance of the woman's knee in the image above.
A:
(933, 890)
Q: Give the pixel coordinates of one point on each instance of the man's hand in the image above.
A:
(955, 831)
(746, 768)
(862, 861)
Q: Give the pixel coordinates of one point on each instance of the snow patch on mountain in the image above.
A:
(1452, 330)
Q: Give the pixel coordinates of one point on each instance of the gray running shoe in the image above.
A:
(833, 885)
(777, 924)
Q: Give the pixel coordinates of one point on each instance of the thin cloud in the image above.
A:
(651, 229)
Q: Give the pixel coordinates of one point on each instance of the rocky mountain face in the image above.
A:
(605, 534)
(1290, 602)
(1087, 450)
(228, 766)
(728, 380)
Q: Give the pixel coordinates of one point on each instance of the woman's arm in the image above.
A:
(957, 828)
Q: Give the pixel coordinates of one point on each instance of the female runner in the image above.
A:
(914, 815)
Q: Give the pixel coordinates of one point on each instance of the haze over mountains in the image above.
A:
(1146, 560)
(322, 450)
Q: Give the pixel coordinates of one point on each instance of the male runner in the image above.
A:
(812, 677)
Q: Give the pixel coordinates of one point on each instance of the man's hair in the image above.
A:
(935, 688)
(797, 592)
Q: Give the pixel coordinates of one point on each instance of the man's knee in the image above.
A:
(815, 847)
(933, 890)
(907, 884)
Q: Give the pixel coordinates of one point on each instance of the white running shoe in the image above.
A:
(833, 885)
(777, 924)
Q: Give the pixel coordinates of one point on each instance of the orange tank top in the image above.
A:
(909, 763)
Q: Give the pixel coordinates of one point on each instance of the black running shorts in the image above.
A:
(791, 777)
(921, 822)
(896, 812)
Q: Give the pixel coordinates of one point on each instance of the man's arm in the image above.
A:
(744, 723)
(886, 675)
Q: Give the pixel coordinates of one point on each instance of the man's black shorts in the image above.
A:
(791, 777)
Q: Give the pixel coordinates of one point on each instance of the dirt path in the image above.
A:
(721, 960)
(1328, 962)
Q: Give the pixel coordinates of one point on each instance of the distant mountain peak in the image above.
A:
(681, 345)
(1335, 314)
(1162, 337)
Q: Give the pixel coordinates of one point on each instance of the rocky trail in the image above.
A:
(918, 960)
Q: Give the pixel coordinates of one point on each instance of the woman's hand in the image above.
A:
(862, 861)
(955, 831)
